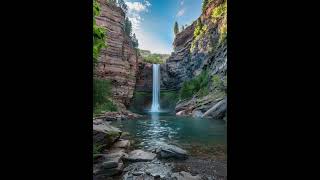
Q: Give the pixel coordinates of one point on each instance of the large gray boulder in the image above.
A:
(104, 133)
(168, 151)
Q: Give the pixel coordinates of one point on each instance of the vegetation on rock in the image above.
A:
(196, 86)
(153, 58)
(101, 96)
(220, 12)
(98, 33)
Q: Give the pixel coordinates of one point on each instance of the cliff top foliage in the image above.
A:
(220, 12)
(153, 58)
(127, 23)
(99, 33)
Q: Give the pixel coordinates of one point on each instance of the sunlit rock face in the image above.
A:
(191, 56)
(184, 64)
(119, 62)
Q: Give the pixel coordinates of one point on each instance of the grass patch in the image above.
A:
(199, 86)
(101, 96)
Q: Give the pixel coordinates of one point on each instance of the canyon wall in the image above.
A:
(192, 55)
(144, 77)
(119, 61)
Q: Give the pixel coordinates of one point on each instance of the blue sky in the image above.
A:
(153, 21)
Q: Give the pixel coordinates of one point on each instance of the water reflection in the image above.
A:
(159, 128)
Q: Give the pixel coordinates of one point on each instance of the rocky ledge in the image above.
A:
(167, 162)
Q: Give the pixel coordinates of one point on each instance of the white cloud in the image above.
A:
(137, 6)
(148, 3)
(134, 11)
(181, 12)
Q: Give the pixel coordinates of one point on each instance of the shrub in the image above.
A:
(101, 94)
(154, 59)
(196, 86)
(219, 11)
(218, 83)
(99, 33)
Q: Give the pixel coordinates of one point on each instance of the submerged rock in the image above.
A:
(140, 155)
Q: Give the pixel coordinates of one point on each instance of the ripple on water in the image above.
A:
(191, 134)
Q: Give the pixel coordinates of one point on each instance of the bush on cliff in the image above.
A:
(101, 95)
(199, 86)
(99, 33)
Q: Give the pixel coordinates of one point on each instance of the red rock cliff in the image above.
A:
(119, 61)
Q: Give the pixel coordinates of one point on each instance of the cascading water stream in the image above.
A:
(155, 88)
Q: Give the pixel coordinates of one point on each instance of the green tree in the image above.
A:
(127, 27)
(176, 28)
(204, 4)
(134, 40)
(182, 28)
(99, 34)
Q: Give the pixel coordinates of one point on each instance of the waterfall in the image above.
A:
(155, 88)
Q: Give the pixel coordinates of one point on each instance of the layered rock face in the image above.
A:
(194, 54)
(119, 62)
(144, 77)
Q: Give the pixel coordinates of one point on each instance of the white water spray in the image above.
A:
(155, 88)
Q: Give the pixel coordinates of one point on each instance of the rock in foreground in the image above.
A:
(140, 155)
(147, 170)
(168, 151)
(185, 176)
(104, 133)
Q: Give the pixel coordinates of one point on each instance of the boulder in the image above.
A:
(104, 133)
(218, 110)
(102, 173)
(168, 151)
(140, 155)
(121, 144)
(197, 114)
(181, 113)
(111, 162)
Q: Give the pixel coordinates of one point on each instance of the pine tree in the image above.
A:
(127, 26)
(176, 28)
(182, 28)
(204, 4)
(135, 42)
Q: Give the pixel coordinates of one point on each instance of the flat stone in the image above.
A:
(167, 151)
(121, 144)
(185, 176)
(115, 150)
(116, 154)
(140, 155)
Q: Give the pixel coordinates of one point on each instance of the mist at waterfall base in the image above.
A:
(155, 107)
